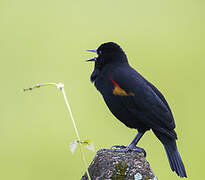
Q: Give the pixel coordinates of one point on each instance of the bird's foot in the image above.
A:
(122, 148)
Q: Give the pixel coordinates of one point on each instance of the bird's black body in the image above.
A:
(135, 101)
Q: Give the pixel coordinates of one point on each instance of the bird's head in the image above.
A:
(108, 53)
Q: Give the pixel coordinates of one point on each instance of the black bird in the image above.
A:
(135, 101)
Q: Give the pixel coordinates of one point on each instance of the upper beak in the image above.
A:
(92, 50)
(92, 59)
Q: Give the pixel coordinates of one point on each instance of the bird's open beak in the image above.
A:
(92, 59)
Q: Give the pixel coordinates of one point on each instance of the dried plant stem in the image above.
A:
(76, 131)
(60, 86)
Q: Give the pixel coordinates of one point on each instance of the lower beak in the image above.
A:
(92, 59)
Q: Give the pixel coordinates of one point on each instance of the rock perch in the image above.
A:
(108, 165)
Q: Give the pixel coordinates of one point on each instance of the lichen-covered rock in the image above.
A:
(108, 165)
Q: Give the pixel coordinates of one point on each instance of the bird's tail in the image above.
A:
(175, 160)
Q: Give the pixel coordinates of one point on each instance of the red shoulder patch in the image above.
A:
(119, 91)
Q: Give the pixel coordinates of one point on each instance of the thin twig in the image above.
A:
(60, 86)
(39, 85)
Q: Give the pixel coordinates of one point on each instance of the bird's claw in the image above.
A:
(122, 148)
(140, 150)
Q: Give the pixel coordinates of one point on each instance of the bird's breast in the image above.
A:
(116, 100)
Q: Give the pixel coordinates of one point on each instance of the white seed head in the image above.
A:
(60, 86)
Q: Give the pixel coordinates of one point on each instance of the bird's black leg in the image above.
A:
(132, 146)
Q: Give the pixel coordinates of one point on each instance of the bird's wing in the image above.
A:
(159, 94)
(148, 101)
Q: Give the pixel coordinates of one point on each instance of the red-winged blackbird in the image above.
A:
(135, 101)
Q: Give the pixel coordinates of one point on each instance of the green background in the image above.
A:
(45, 41)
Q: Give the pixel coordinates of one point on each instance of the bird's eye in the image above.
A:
(100, 52)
